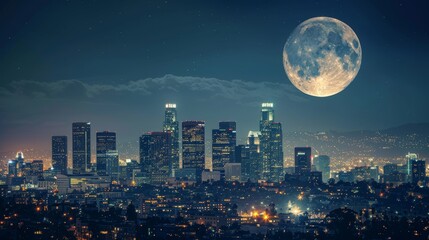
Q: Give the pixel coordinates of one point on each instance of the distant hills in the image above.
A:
(388, 143)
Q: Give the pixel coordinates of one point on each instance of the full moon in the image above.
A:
(322, 56)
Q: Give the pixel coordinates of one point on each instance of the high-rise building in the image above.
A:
(19, 163)
(59, 154)
(223, 145)
(171, 125)
(322, 164)
(232, 171)
(248, 156)
(410, 158)
(418, 171)
(155, 153)
(37, 168)
(390, 168)
(193, 145)
(112, 163)
(81, 132)
(271, 145)
(105, 143)
(12, 168)
(302, 161)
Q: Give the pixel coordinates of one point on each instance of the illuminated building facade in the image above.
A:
(193, 145)
(155, 153)
(106, 147)
(171, 125)
(302, 161)
(271, 145)
(223, 145)
(81, 132)
(59, 154)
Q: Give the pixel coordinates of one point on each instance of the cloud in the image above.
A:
(240, 91)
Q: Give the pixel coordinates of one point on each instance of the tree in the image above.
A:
(342, 223)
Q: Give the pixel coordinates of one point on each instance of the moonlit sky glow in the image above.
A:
(117, 64)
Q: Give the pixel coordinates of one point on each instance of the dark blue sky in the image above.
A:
(116, 64)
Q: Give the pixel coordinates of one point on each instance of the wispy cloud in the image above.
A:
(237, 90)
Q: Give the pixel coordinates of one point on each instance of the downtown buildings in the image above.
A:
(271, 145)
(81, 136)
(223, 145)
(193, 144)
(155, 157)
(171, 125)
(107, 154)
(59, 154)
(261, 158)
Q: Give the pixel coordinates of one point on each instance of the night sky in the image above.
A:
(116, 64)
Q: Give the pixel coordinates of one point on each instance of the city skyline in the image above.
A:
(131, 73)
(251, 120)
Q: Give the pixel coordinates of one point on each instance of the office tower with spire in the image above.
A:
(81, 132)
(155, 154)
(171, 125)
(107, 159)
(59, 154)
(223, 145)
(193, 145)
(271, 145)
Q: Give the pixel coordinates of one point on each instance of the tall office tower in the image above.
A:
(302, 161)
(112, 163)
(59, 154)
(105, 142)
(19, 163)
(193, 145)
(418, 171)
(12, 169)
(81, 132)
(271, 145)
(253, 141)
(322, 164)
(37, 168)
(171, 125)
(410, 158)
(223, 145)
(248, 156)
(155, 153)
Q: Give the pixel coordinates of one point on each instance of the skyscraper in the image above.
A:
(271, 145)
(12, 168)
(410, 158)
(302, 161)
(171, 125)
(105, 143)
(19, 163)
(418, 171)
(112, 163)
(155, 156)
(81, 147)
(223, 145)
(59, 154)
(248, 156)
(193, 145)
(37, 168)
(322, 164)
